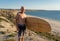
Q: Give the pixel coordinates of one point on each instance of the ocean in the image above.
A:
(50, 14)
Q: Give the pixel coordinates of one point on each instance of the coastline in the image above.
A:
(55, 24)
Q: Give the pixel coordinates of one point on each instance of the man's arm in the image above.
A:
(17, 16)
(26, 21)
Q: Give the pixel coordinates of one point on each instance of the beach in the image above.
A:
(55, 24)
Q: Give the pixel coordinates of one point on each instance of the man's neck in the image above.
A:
(22, 12)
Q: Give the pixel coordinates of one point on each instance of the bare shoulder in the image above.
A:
(18, 13)
(25, 15)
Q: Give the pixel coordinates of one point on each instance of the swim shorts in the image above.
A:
(22, 29)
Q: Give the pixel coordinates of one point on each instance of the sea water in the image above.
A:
(51, 14)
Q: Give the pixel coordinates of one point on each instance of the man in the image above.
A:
(20, 23)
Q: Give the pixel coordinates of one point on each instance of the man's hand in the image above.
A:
(17, 28)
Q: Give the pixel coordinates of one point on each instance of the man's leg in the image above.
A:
(19, 35)
(19, 39)
(23, 31)
(22, 36)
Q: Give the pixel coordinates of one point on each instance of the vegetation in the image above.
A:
(12, 35)
(9, 40)
(50, 36)
(8, 14)
(3, 20)
(2, 32)
(1, 26)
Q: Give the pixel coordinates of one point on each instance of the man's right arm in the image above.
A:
(17, 21)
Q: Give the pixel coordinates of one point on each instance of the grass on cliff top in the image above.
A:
(12, 35)
(1, 19)
(1, 26)
(9, 40)
(50, 36)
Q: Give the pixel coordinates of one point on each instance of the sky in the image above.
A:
(31, 4)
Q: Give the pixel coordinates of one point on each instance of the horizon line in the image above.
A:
(30, 9)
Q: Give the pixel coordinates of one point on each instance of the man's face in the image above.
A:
(22, 9)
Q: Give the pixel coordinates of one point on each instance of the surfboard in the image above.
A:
(37, 25)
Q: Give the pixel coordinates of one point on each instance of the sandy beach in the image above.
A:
(55, 24)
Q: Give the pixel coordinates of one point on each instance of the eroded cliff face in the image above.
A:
(6, 25)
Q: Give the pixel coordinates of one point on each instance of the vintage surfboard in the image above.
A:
(37, 24)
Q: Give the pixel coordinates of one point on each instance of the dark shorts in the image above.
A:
(22, 29)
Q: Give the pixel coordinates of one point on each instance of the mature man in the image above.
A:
(20, 23)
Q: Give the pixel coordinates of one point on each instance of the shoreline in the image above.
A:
(55, 24)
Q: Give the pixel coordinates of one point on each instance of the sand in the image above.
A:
(55, 24)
